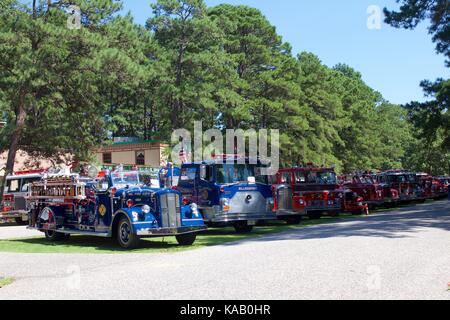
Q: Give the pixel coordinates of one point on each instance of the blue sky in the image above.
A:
(392, 61)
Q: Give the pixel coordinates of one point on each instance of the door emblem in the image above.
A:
(102, 210)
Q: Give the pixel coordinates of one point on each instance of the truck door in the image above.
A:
(103, 205)
(205, 189)
(188, 183)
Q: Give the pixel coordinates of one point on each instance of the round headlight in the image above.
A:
(146, 209)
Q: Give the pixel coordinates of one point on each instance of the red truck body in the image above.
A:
(318, 188)
(373, 192)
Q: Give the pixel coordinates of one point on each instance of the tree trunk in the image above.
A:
(13, 145)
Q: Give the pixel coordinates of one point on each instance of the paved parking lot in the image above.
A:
(402, 254)
(13, 231)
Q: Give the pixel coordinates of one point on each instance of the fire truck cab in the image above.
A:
(14, 204)
(317, 186)
(373, 193)
(442, 186)
(289, 207)
(406, 183)
(229, 190)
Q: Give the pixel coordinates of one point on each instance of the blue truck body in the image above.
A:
(228, 192)
(115, 205)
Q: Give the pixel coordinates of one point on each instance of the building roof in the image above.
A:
(129, 146)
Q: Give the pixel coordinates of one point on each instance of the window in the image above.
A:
(321, 177)
(286, 177)
(107, 158)
(13, 185)
(26, 182)
(140, 158)
(188, 174)
(235, 173)
(300, 177)
(102, 185)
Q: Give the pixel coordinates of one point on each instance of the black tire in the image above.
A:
(333, 214)
(51, 235)
(242, 227)
(314, 215)
(187, 239)
(125, 237)
(293, 220)
(20, 222)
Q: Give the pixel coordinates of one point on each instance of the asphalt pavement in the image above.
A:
(402, 254)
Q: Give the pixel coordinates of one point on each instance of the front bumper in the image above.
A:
(14, 214)
(150, 232)
(289, 213)
(325, 208)
(210, 215)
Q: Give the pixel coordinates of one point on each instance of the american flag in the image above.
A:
(183, 155)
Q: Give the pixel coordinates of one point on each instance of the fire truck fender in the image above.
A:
(116, 218)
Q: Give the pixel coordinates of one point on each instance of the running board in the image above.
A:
(79, 232)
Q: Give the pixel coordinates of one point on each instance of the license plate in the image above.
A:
(251, 222)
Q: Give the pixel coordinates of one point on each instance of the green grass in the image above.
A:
(6, 281)
(212, 237)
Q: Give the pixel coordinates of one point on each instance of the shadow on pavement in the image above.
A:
(401, 223)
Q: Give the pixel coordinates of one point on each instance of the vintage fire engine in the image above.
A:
(406, 183)
(228, 190)
(289, 207)
(115, 204)
(442, 186)
(14, 205)
(429, 185)
(373, 193)
(319, 188)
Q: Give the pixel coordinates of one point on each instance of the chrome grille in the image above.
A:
(170, 210)
(20, 203)
(284, 198)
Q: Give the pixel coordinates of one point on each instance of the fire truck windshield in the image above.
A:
(123, 179)
(367, 180)
(239, 173)
(316, 177)
(321, 177)
(396, 178)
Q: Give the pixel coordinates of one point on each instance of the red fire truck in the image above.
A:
(14, 205)
(406, 183)
(373, 193)
(318, 188)
(289, 207)
(442, 184)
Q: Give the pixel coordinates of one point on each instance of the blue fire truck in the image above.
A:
(229, 190)
(115, 204)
